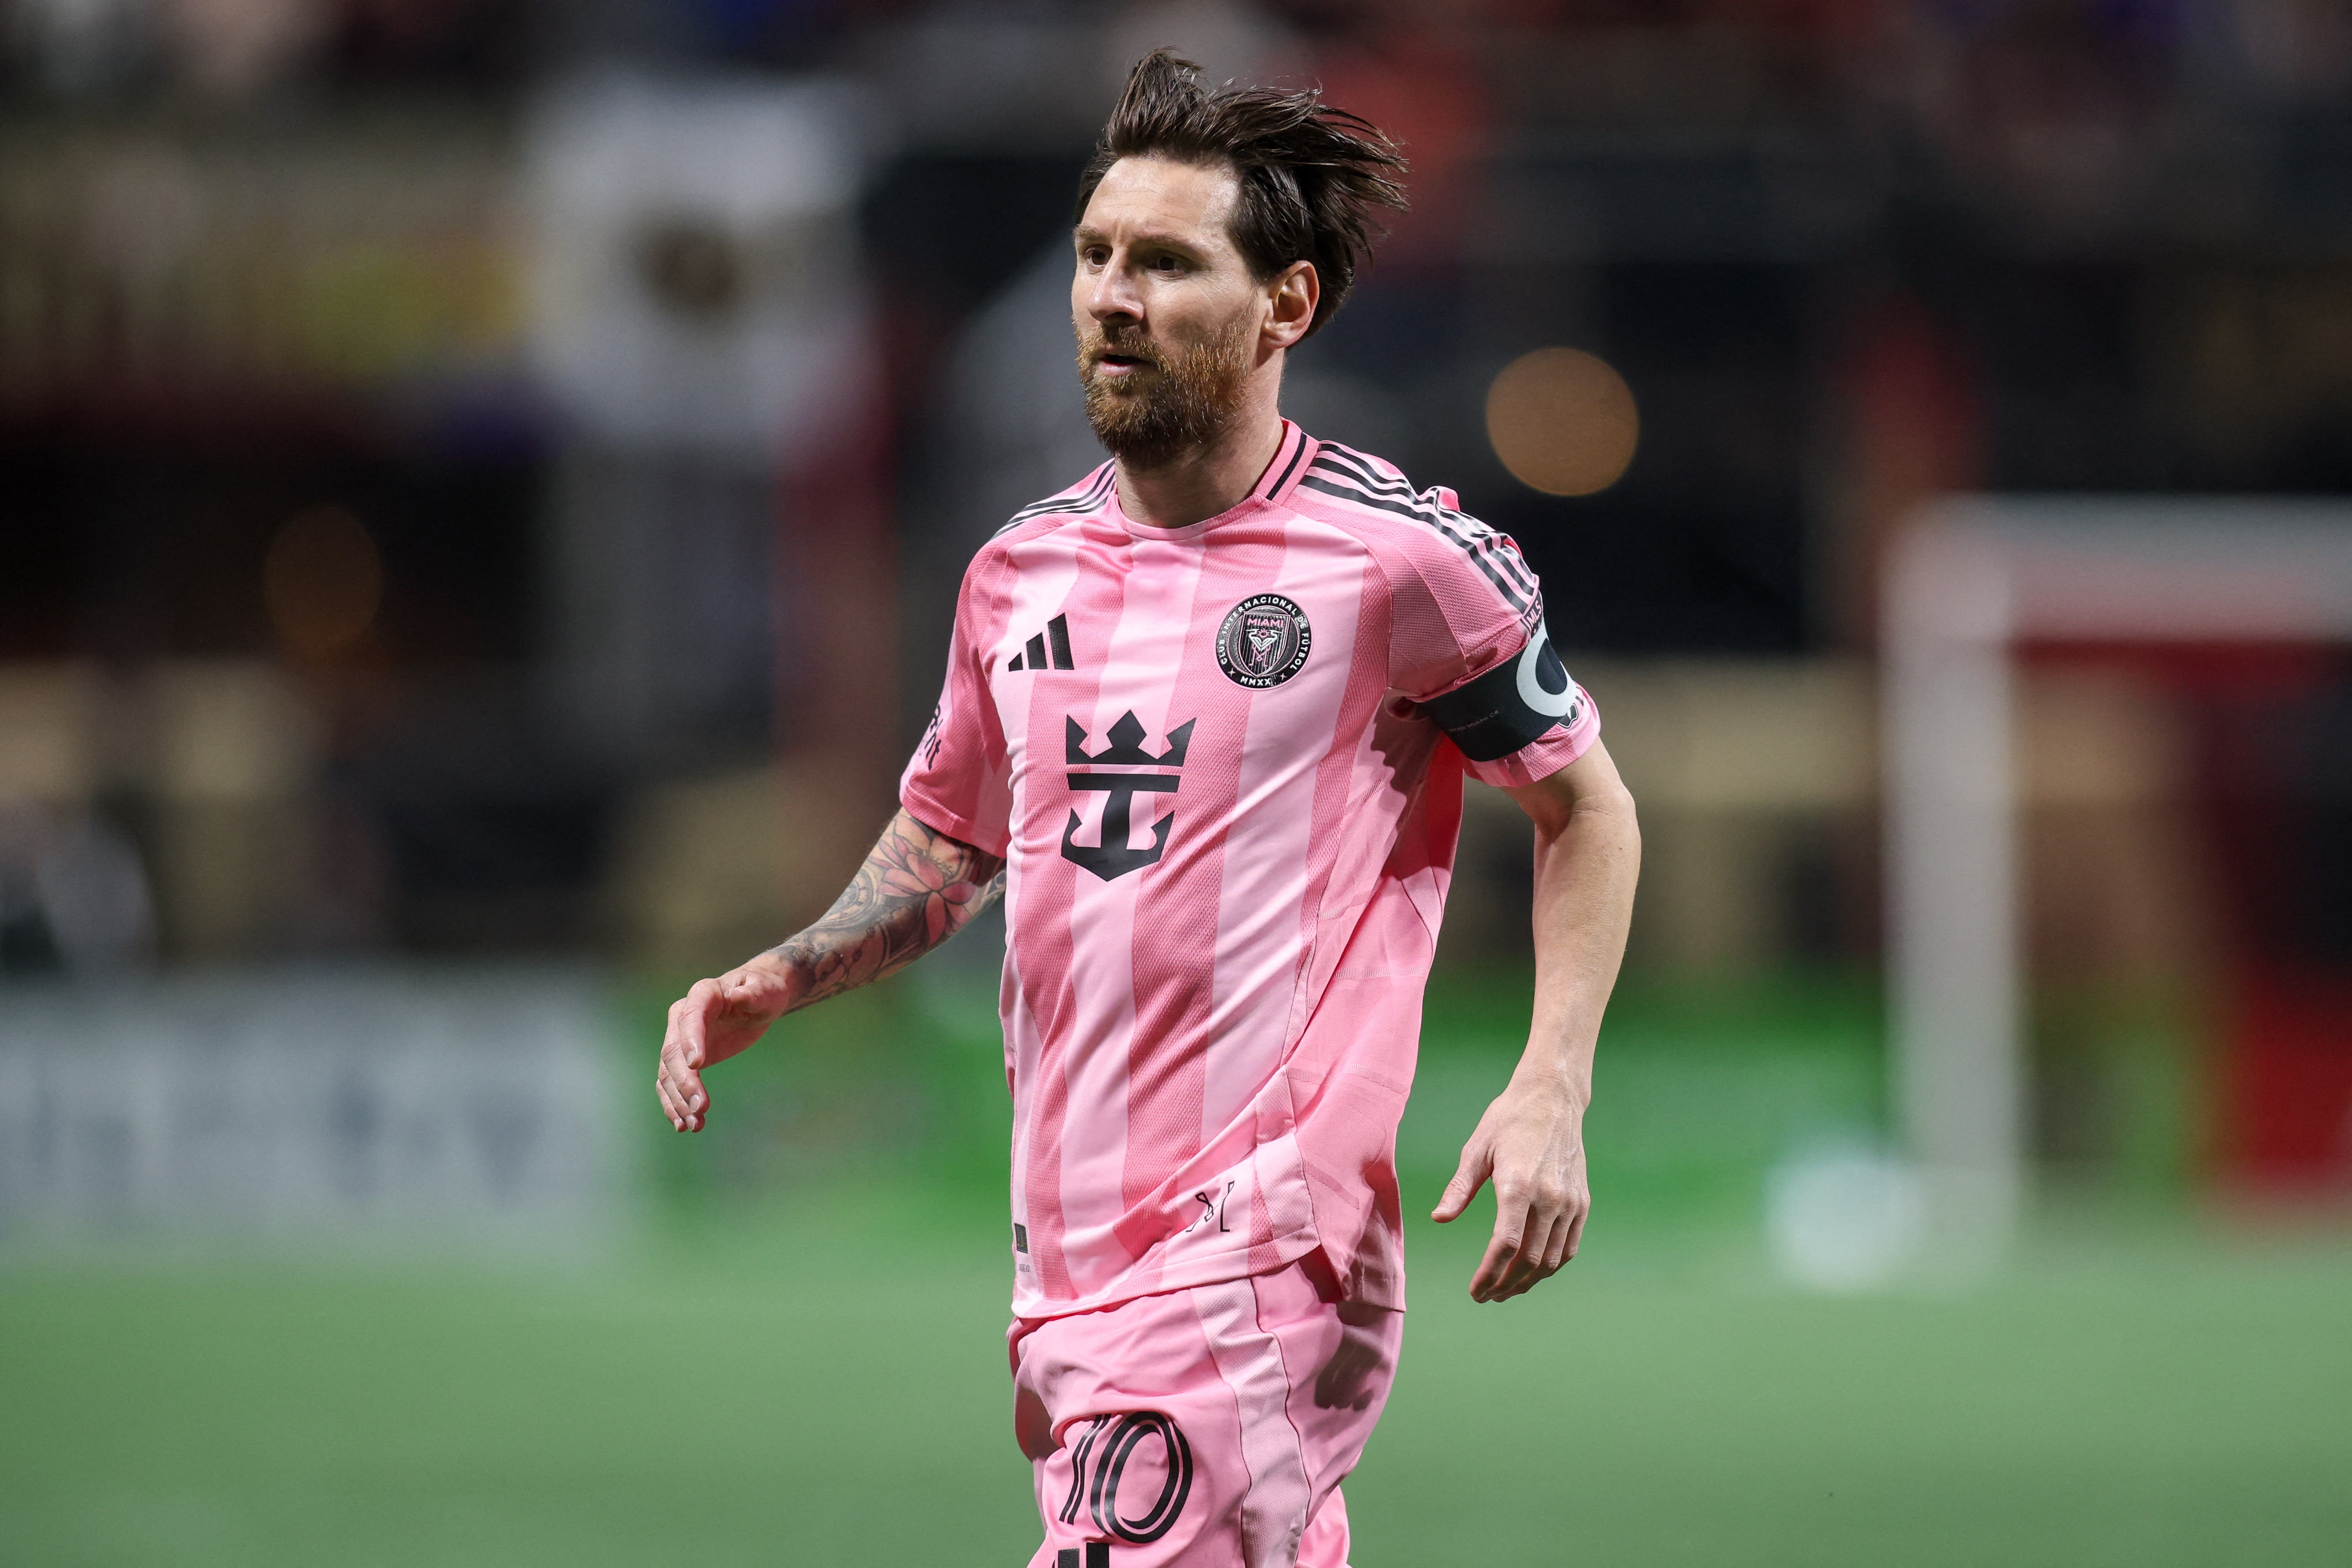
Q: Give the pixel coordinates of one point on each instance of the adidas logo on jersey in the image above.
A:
(1112, 858)
(1056, 632)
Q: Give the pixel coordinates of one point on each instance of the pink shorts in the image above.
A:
(1208, 1427)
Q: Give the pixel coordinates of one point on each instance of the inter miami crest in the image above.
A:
(1264, 641)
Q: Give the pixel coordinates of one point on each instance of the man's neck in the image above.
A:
(1204, 482)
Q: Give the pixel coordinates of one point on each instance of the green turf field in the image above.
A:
(779, 1367)
(829, 1387)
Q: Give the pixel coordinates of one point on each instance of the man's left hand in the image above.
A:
(1530, 1144)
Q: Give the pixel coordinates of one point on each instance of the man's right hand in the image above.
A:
(716, 1019)
(917, 888)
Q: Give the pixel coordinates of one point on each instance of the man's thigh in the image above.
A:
(1205, 1427)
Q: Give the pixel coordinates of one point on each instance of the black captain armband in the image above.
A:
(1517, 701)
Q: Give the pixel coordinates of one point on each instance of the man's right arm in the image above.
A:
(917, 888)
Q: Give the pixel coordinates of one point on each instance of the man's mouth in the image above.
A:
(1115, 363)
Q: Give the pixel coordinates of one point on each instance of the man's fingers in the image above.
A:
(680, 1085)
(1514, 1274)
(1552, 1236)
(1540, 1259)
(683, 1080)
(1563, 1236)
(677, 1098)
(1477, 1162)
(1566, 1233)
(686, 1042)
(663, 1064)
(1576, 1230)
(1519, 1259)
(1512, 1234)
(1488, 1277)
(689, 1109)
(694, 1018)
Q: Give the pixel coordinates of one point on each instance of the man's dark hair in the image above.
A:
(1310, 174)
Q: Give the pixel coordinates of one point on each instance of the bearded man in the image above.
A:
(1204, 729)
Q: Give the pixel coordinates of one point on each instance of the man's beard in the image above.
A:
(1181, 398)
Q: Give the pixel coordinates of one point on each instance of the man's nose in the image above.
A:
(1113, 297)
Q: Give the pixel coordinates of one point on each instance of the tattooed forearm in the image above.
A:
(917, 888)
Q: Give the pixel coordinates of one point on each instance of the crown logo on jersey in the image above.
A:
(1113, 856)
(1125, 748)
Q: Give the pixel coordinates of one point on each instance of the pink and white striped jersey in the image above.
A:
(1224, 763)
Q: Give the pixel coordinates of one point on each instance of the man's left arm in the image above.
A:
(1530, 1143)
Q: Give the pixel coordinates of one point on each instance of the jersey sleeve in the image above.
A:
(1470, 644)
(959, 780)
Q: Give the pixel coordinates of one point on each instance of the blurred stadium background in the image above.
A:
(481, 486)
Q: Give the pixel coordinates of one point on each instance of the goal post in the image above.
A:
(1966, 579)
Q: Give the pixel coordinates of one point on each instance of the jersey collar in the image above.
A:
(1290, 460)
(1274, 487)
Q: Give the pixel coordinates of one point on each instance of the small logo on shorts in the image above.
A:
(1020, 1237)
(1264, 641)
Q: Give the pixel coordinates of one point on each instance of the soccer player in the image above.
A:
(1205, 723)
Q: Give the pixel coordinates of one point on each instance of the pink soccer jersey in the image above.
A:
(1224, 765)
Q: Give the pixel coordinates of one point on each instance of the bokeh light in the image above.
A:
(1563, 421)
(322, 582)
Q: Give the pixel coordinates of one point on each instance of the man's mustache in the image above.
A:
(1099, 346)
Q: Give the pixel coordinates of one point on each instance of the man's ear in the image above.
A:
(1293, 295)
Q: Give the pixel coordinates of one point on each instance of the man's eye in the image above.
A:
(1167, 264)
